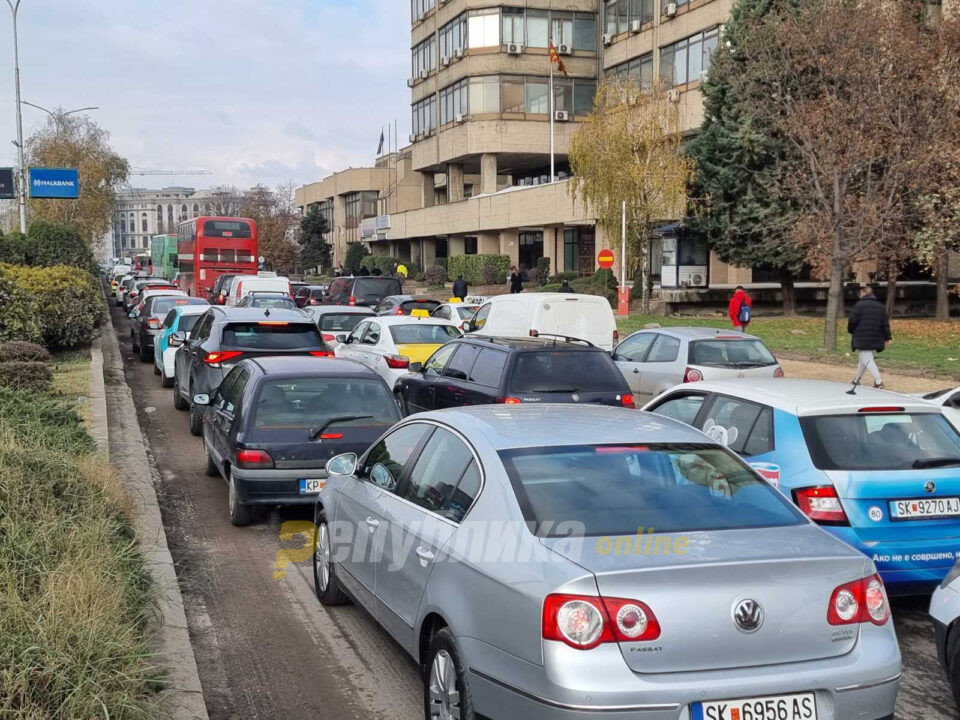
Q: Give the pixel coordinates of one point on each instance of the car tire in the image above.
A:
(146, 353)
(442, 669)
(952, 661)
(133, 342)
(328, 593)
(196, 418)
(165, 381)
(240, 515)
(156, 370)
(211, 470)
(178, 402)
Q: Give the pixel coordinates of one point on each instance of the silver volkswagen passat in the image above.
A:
(561, 561)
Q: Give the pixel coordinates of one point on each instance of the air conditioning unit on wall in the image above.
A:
(561, 116)
(635, 26)
(514, 49)
(607, 38)
(671, 10)
(564, 49)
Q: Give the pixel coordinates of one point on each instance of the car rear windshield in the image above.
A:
(340, 322)
(274, 301)
(466, 311)
(311, 402)
(226, 229)
(409, 306)
(422, 334)
(267, 336)
(376, 287)
(161, 306)
(614, 490)
(880, 441)
(566, 371)
(731, 353)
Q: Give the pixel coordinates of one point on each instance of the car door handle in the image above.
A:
(372, 523)
(425, 556)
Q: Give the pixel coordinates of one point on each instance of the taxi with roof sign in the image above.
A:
(877, 469)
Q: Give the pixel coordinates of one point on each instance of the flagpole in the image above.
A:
(553, 174)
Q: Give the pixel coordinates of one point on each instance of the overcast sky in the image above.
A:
(258, 91)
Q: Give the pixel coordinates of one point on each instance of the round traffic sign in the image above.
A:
(605, 259)
(261, 259)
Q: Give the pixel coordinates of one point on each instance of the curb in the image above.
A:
(118, 436)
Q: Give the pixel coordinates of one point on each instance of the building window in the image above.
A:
(326, 212)
(513, 93)
(424, 57)
(531, 248)
(619, 14)
(483, 28)
(585, 32)
(196, 209)
(561, 28)
(537, 97)
(584, 94)
(513, 31)
(368, 203)
(419, 8)
(689, 59)
(453, 37)
(453, 102)
(638, 71)
(484, 95)
(538, 27)
(425, 116)
(469, 246)
(143, 223)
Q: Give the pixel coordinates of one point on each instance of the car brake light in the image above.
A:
(312, 301)
(692, 375)
(254, 459)
(153, 323)
(215, 358)
(274, 323)
(331, 436)
(821, 505)
(397, 362)
(509, 401)
(884, 409)
(399, 311)
(778, 373)
(628, 402)
(321, 353)
(221, 299)
(328, 338)
(860, 601)
(353, 300)
(534, 333)
(584, 622)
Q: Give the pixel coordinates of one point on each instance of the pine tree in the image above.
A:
(314, 248)
(734, 204)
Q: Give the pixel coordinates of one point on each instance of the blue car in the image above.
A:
(877, 469)
(180, 318)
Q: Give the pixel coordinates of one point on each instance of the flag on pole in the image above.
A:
(380, 146)
(557, 60)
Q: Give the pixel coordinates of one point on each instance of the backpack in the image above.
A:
(743, 316)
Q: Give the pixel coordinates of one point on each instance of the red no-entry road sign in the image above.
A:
(605, 259)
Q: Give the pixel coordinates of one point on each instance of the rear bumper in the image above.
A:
(274, 487)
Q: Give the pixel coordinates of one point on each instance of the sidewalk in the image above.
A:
(846, 373)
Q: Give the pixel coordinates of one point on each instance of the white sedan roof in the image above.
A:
(810, 397)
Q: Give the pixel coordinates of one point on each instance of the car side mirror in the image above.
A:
(467, 326)
(201, 399)
(132, 314)
(416, 367)
(209, 288)
(177, 339)
(342, 465)
(343, 339)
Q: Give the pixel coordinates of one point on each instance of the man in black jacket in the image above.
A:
(870, 328)
(460, 288)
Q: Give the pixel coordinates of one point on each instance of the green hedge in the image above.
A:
(65, 303)
(19, 314)
(471, 266)
(47, 244)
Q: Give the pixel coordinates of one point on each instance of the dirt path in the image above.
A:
(846, 373)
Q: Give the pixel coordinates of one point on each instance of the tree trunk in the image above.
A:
(891, 291)
(644, 274)
(834, 303)
(943, 285)
(789, 292)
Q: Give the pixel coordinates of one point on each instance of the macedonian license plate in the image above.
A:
(924, 508)
(802, 706)
(311, 487)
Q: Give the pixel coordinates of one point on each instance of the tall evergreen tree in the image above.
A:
(314, 248)
(734, 200)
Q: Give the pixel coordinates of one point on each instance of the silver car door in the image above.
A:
(629, 357)
(660, 370)
(350, 350)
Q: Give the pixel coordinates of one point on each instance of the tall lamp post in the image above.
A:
(53, 114)
(22, 184)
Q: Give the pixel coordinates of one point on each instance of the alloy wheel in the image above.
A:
(444, 697)
(322, 557)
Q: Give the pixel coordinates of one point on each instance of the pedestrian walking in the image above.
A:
(396, 265)
(869, 327)
(460, 288)
(741, 309)
(565, 287)
(339, 271)
(516, 282)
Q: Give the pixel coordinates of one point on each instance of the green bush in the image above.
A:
(15, 249)
(471, 267)
(19, 313)
(68, 301)
(436, 275)
(568, 275)
(602, 283)
(21, 375)
(20, 351)
(550, 287)
(356, 252)
(543, 270)
(384, 262)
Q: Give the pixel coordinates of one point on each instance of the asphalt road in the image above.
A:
(266, 648)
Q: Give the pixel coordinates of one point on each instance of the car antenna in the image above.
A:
(856, 381)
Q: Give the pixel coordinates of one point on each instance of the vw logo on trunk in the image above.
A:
(748, 615)
(930, 486)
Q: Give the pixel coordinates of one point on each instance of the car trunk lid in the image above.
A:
(292, 448)
(417, 352)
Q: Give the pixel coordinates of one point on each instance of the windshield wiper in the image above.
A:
(936, 462)
(339, 419)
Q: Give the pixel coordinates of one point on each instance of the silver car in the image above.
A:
(945, 611)
(564, 561)
(654, 360)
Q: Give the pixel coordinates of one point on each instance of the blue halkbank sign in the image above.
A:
(54, 183)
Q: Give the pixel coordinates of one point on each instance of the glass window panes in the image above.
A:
(513, 90)
(484, 95)
(584, 92)
(453, 37)
(685, 409)
(453, 102)
(585, 33)
(488, 370)
(513, 25)
(483, 28)
(419, 8)
(424, 116)
(538, 27)
(386, 462)
(563, 94)
(689, 59)
(537, 98)
(439, 467)
(561, 28)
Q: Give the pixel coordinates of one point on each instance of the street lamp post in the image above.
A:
(22, 184)
(53, 114)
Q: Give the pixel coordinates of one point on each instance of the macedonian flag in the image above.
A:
(555, 58)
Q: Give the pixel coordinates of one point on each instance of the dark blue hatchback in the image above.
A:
(273, 423)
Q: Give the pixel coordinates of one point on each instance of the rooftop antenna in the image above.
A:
(856, 381)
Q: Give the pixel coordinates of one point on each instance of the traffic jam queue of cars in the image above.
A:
(726, 554)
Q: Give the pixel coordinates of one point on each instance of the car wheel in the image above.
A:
(240, 514)
(212, 470)
(178, 402)
(325, 580)
(445, 690)
(146, 353)
(133, 342)
(164, 380)
(196, 417)
(156, 370)
(952, 661)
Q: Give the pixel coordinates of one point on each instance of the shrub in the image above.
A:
(472, 267)
(543, 270)
(20, 351)
(436, 275)
(501, 277)
(21, 375)
(356, 252)
(550, 287)
(69, 302)
(568, 275)
(15, 249)
(52, 244)
(384, 262)
(19, 313)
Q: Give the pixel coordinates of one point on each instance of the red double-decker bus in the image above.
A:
(208, 247)
(142, 263)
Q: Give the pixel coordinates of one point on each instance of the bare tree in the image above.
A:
(278, 224)
(225, 201)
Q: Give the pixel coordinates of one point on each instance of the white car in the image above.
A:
(243, 285)
(388, 344)
(456, 312)
(335, 321)
(948, 401)
(118, 293)
(180, 319)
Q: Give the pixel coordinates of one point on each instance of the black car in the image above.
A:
(223, 336)
(309, 295)
(481, 371)
(405, 305)
(268, 300)
(274, 422)
(221, 286)
(145, 326)
(366, 290)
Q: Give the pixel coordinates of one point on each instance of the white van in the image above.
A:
(243, 285)
(585, 317)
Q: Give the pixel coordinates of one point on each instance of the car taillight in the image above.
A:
(778, 373)
(628, 402)
(353, 300)
(399, 311)
(692, 375)
(321, 353)
(153, 323)
(821, 505)
(509, 401)
(215, 358)
(254, 459)
(329, 338)
(397, 362)
(331, 436)
(584, 622)
(860, 601)
(312, 301)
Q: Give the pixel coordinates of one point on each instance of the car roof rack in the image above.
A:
(565, 338)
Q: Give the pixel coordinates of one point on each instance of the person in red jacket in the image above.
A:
(741, 309)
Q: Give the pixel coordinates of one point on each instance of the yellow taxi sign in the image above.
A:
(419, 313)
(454, 301)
